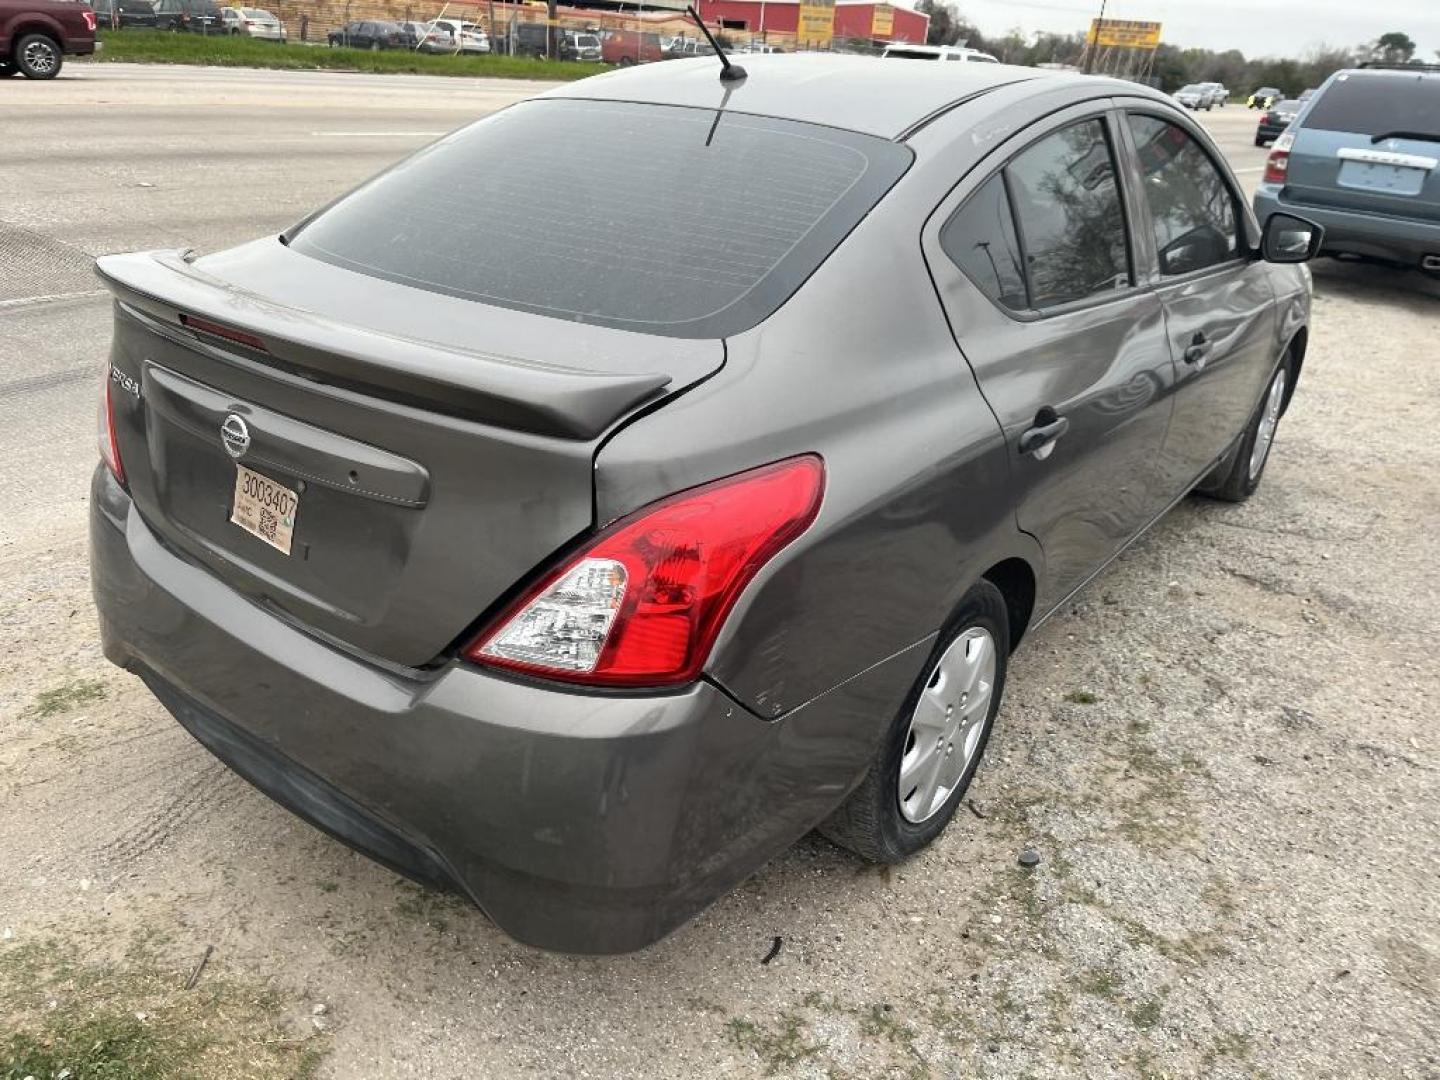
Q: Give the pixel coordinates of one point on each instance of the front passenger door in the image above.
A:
(1219, 306)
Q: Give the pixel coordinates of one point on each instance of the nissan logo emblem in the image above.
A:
(235, 434)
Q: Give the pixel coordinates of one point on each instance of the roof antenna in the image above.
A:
(728, 72)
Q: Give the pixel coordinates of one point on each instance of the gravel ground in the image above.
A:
(1223, 753)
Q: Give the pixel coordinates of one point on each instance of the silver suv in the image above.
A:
(1362, 158)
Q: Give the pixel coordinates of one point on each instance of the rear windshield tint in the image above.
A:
(674, 221)
(1378, 105)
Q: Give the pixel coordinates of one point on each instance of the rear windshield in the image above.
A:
(675, 221)
(1378, 105)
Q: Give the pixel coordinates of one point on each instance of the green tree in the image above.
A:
(942, 22)
(1393, 48)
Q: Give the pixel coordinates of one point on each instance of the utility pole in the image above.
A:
(1092, 46)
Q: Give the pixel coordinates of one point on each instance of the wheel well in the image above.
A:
(1016, 582)
(1296, 350)
(33, 28)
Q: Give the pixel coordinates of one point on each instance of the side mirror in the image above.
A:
(1290, 239)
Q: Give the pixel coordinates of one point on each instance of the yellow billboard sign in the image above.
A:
(882, 21)
(1123, 34)
(817, 24)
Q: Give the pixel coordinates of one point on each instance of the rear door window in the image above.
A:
(665, 220)
(1379, 105)
(1071, 222)
(980, 238)
(1192, 208)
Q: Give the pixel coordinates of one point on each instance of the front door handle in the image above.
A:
(1040, 439)
(1199, 347)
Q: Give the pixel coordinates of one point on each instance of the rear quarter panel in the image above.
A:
(860, 367)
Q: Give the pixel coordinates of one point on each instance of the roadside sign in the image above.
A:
(1123, 34)
(817, 24)
(882, 22)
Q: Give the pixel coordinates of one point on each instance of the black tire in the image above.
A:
(1232, 480)
(38, 56)
(870, 822)
(627, 61)
(1259, 140)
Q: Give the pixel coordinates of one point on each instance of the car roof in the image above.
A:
(861, 93)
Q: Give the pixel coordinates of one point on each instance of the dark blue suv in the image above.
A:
(1363, 159)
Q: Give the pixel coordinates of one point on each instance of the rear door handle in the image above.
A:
(1199, 347)
(1040, 439)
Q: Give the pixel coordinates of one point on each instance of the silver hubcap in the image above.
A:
(1265, 434)
(40, 57)
(947, 723)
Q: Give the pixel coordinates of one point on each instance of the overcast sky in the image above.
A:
(1268, 28)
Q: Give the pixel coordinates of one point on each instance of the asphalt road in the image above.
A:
(1224, 750)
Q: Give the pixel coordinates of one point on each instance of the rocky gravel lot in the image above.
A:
(1223, 752)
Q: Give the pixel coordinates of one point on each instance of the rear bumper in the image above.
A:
(578, 822)
(1401, 240)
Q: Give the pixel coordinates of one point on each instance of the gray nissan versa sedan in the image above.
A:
(690, 489)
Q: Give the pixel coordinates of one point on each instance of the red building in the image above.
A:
(853, 18)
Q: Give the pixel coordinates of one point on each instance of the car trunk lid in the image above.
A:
(440, 450)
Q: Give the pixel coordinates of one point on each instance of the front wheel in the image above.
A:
(1238, 475)
(932, 748)
(38, 56)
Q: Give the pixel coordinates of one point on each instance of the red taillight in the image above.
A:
(105, 428)
(229, 333)
(642, 604)
(1276, 166)
(89, 17)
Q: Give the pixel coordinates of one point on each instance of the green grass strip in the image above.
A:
(162, 47)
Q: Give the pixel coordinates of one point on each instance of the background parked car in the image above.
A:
(1363, 160)
(37, 35)
(532, 39)
(687, 46)
(1263, 98)
(428, 37)
(936, 52)
(465, 37)
(1276, 119)
(1217, 93)
(197, 16)
(253, 22)
(370, 35)
(1193, 96)
(626, 47)
(124, 14)
(584, 46)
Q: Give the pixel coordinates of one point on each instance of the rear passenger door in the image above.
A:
(1219, 305)
(1033, 260)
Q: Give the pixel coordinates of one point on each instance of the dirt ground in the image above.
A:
(1224, 752)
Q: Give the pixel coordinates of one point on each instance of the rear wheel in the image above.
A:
(1236, 478)
(38, 56)
(933, 747)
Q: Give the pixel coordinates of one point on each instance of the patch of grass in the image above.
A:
(68, 695)
(1099, 982)
(1081, 697)
(223, 50)
(66, 1015)
(780, 1047)
(327, 886)
(1146, 1014)
(881, 1020)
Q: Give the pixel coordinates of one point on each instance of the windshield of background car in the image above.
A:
(1378, 104)
(664, 220)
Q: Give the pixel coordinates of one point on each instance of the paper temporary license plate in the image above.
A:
(264, 508)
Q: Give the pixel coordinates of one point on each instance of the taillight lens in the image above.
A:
(642, 604)
(105, 429)
(1277, 165)
(89, 17)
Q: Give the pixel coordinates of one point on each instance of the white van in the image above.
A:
(936, 52)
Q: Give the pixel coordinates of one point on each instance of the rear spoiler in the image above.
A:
(163, 289)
